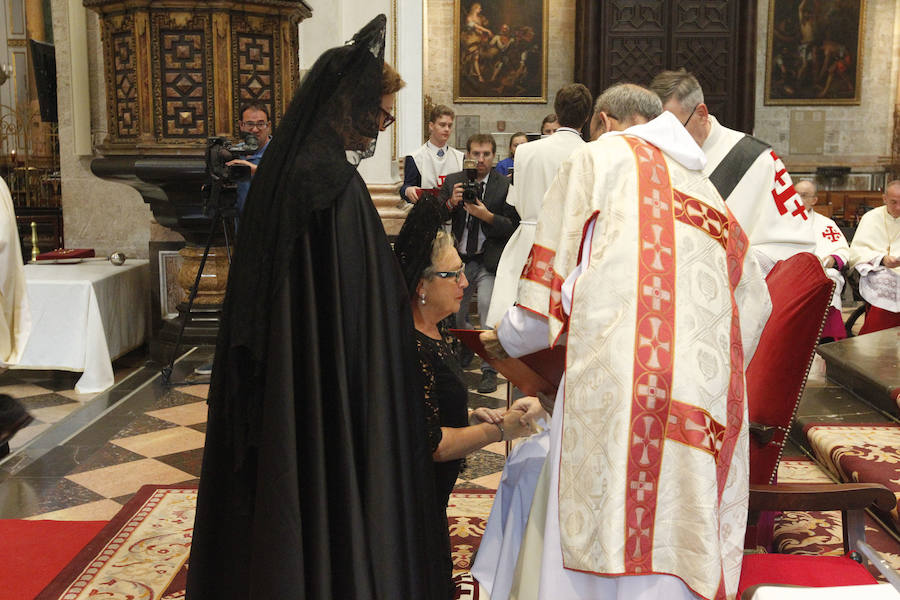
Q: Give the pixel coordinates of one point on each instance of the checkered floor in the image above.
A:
(85, 456)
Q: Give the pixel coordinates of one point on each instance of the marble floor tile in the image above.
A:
(127, 478)
(107, 456)
(159, 443)
(201, 391)
(491, 481)
(23, 390)
(101, 510)
(188, 414)
(54, 414)
(189, 461)
(143, 424)
(73, 395)
(26, 434)
(22, 497)
(32, 403)
(481, 463)
(496, 447)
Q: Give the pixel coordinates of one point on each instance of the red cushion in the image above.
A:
(807, 571)
(801, 294)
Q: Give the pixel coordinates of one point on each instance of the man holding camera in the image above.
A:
(254, 121)
(482, 222)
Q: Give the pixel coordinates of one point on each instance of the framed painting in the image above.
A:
(500, 51)
(814, 51)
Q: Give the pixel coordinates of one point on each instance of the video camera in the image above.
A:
(220, 191)
(469, 187)
(220, 151)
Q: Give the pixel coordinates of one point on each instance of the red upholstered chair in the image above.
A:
(801, 295)
(814, 571)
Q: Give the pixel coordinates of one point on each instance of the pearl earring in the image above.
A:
(422, 298)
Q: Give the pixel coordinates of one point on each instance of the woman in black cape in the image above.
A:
(315, 451)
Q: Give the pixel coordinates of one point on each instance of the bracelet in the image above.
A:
(502, 433)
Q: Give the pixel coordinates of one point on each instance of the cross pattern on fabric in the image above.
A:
(832, 234)
(784, 191)
(539, 265)
(695, 213)
(694, 427)
(654, 359)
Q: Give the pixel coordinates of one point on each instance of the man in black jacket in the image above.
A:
(481, 228)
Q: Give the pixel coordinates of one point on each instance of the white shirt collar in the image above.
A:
(569, 129)
(434, 148)
(668, 134)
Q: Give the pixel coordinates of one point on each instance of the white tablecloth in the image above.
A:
(883, 591)
(85, 315)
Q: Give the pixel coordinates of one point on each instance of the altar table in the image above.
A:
(85, 315)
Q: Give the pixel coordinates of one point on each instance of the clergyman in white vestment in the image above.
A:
(747, 172)
(636, 250)
(534, 168)
(875, 254)
(15, 318)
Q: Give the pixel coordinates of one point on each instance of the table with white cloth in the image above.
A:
(84, 316)
(882, 591)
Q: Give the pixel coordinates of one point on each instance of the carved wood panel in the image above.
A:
(184, 73)
(632, 40)
(125, 76)
(256, 56)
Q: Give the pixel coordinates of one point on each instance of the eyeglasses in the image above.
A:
(254, 124)
(448, 274)
(690, 115)
(387, 119)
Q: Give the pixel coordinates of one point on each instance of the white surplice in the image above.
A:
(585, 276)
(15, 319)
(535, 167)
(764, 201)
(830, 241)
(877, 235)
(434, 168)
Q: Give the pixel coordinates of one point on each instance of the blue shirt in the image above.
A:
(504, 166)
(243, 187)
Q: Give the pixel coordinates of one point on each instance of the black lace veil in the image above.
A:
(333, 118)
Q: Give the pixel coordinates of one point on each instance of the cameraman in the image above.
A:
(254, 121)
(482, 222)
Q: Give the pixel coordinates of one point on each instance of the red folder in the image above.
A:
(532, 373)
(430, 191)
(66, 254)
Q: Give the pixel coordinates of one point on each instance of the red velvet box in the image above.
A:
(65, 254)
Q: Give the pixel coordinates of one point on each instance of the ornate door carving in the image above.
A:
(632, 40)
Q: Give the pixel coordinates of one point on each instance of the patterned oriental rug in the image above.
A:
(862, 454)
(143, 551)
(819, 532)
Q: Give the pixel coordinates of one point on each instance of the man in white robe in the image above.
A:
(426, 168)
(534, 168)
(746, 172)
(15, 318)
(833, 252)
(639, 268)
(875, 254)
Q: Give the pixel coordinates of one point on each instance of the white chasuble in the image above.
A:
(640, 261)
(830, 241)
(877, 235)
(15, 318)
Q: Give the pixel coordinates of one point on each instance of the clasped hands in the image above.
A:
(891, 262)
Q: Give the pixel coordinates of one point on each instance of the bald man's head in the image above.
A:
(807, 191)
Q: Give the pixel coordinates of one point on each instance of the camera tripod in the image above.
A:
(220, 216)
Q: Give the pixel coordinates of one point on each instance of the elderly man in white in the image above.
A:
(833, 251)
(875, 254)
(642, 293)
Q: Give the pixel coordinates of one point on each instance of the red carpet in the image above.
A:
(35, 551)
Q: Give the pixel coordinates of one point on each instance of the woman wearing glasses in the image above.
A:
(435, 279)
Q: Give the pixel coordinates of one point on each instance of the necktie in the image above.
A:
(472, 227)
(440, 153)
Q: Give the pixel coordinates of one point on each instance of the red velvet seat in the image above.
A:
(806, 571)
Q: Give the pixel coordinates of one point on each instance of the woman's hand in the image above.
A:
(513, 427)
(486, 415)
(531, 410)
(492, 344)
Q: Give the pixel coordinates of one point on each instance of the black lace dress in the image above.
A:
(446, 399)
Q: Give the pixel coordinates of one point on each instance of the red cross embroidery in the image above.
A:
(832, 234)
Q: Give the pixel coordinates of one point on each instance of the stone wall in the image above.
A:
(97, 214)
(858, 136)
(438, 81)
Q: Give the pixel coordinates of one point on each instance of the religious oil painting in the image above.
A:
(814, 53)
(501, 51)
